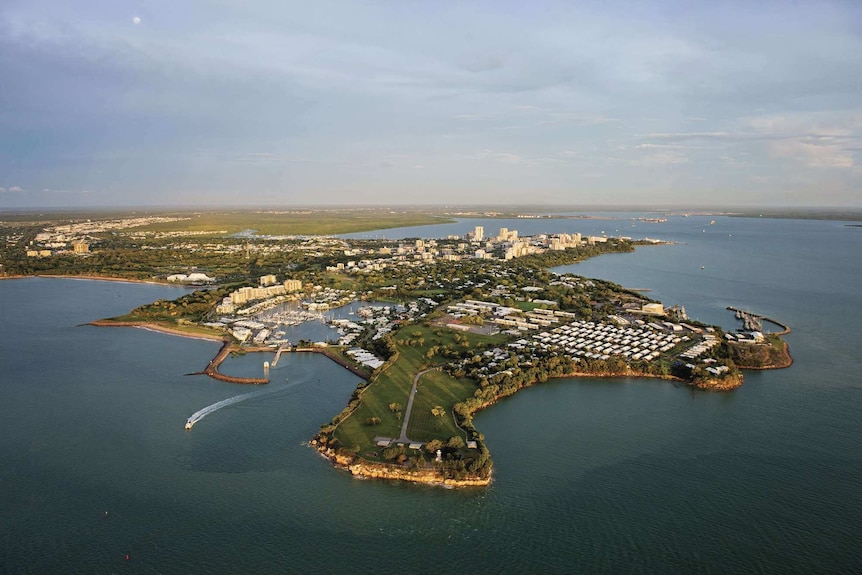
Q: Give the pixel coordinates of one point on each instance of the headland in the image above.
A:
(480, 315)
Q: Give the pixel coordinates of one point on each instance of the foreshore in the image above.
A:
(91, 278)
(150, 326)
(361, 468)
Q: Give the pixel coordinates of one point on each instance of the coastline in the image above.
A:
(785, 361)
(90, 278)
(360, 468)
(101, 278)
(150, 326)
(212, 367)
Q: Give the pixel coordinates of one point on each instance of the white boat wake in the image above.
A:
(198, 415)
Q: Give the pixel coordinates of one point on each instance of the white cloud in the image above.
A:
(815, 155)
(670, 147)
(661, 159)
(504, 157)
(689, 136)
(16, 189)
(815, 140)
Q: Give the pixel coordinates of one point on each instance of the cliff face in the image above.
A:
(363, 469)
(366, 469)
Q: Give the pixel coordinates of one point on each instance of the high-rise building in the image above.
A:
(478, 233)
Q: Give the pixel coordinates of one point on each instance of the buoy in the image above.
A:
(127, 556)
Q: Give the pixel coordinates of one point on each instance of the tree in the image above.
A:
(372, 421)
(438, 411)
(433, 445)
(455, 442)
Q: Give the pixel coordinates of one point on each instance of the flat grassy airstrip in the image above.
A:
(418, 349)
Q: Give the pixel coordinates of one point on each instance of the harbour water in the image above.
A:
(592, 476)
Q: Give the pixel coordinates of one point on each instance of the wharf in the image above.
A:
(744, 315)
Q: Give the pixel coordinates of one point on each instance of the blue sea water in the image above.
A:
(591, 475)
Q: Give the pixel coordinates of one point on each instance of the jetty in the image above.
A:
(278, 353)
(754, 322)
(212, 368)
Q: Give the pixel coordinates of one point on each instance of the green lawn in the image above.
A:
(393, 386)
(527, 305)
(436, 388)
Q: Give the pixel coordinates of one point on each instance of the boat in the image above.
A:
(189, 424)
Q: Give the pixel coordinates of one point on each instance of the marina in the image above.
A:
(754, 322)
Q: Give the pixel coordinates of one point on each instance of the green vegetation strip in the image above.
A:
(297, 222)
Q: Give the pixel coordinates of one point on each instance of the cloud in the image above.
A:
(822, 140)
(302, 98)
(504, 157)
(13, 189)
(578, 119)
(815, 140)
(679, 136)
(670, 147)
(661, 159)
(813, 154)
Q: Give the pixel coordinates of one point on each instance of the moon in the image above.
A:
(136, 20)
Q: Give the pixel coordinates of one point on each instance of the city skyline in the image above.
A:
(483, 103)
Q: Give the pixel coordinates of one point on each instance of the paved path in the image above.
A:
(409, 410)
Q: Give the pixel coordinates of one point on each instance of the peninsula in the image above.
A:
(456, 323)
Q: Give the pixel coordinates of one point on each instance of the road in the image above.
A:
(409, 409)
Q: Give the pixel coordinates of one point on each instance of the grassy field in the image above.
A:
(394, 384)
(436, 388)
(297, 222)
(526, 305)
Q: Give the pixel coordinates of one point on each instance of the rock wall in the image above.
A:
(363, 469)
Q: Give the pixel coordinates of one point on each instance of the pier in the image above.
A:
(753, 322)
(278, 353)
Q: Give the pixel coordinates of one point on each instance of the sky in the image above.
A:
(385, 102)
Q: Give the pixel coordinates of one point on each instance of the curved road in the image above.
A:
(409, 410)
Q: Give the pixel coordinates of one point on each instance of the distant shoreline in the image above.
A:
(90, 278)
(102, 278)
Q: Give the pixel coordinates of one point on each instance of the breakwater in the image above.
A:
(212, 368)
(785, 329)
(334, 357)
